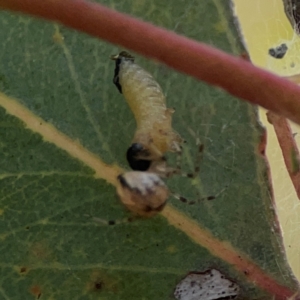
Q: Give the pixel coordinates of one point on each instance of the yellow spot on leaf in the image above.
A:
(220, 27)
(172, 249)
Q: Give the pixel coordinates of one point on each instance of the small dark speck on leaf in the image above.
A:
(98, 285)
(101, 282)
(23, 270)
(279, 51)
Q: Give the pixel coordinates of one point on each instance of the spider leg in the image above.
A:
(191, 202)
(169, 171)
(198, 160)
(178, 169)
(112, 222)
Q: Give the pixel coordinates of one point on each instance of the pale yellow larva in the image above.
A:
(154, 135)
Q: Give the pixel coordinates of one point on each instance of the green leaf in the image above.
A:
(49, 248)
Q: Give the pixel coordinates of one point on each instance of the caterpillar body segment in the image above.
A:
(154, 135)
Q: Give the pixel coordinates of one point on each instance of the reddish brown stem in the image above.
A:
(288, 147)
(235, 75)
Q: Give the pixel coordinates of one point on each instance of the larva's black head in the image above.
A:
(133, 153)
(118, 58)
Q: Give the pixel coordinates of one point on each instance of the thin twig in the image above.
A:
(288, 147)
